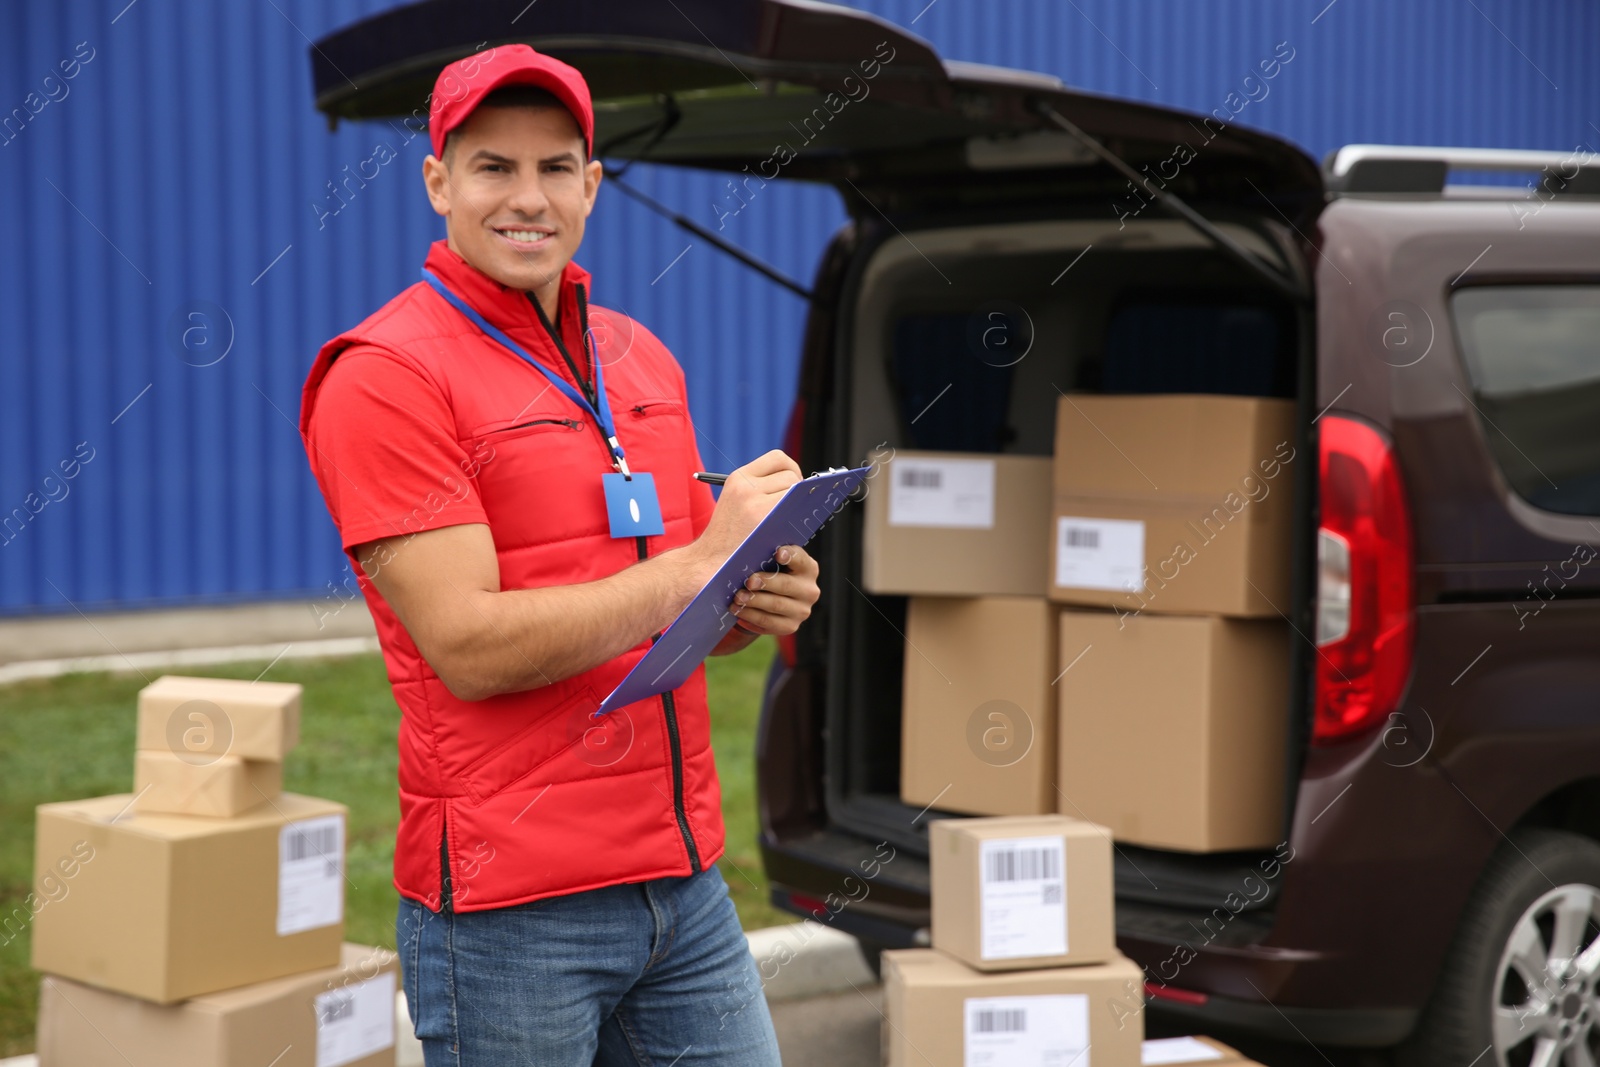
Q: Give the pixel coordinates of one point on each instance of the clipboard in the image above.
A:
(803, 510)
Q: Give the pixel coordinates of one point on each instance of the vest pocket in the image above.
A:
(551, 732)
(548, 424)
(649, 409)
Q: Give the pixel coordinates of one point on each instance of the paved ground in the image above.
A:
(842, 1030)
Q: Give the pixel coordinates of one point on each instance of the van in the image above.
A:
(1437, 883)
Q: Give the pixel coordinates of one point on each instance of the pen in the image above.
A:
(709, 478)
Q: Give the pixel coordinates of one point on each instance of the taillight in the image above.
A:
(1364, 582)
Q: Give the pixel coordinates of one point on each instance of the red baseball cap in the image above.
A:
(462, 85)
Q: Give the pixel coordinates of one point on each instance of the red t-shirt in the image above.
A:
(384, 443)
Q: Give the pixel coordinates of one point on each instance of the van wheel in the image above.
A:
(1520, 981)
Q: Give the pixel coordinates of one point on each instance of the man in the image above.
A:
(475, 441)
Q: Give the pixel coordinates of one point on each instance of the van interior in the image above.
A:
(962, 339)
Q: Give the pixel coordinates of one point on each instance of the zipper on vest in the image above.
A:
(571, 424)
(444, 864)
(675, 745)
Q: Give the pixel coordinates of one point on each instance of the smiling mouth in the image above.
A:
(525, 237)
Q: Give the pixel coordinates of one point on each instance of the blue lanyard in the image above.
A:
(601, 414)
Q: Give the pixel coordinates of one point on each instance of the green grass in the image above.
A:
(70, 737)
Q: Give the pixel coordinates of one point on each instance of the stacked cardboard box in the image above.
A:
(1172, 517)
(340, 1016)
(966, 535)
(212, 746)
(201, 918)
(1024, 967)
(1119, 657)
(1175, 504)
(978, 732)
(957, 524)
(1143, 687)
(1024, 970)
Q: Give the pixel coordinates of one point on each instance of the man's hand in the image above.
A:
(749, 494)
(769, 603)
(779, 603)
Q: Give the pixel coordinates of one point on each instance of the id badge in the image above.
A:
(631, 505)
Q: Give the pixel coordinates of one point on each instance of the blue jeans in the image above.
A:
(649, 973)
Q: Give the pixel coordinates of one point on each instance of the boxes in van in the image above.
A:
(1173, 727)
(957, 524)
(1173, 504)
(978, 714)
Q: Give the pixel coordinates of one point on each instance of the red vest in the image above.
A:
(523, 795)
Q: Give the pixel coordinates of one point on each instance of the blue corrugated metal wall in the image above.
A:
(173, 260)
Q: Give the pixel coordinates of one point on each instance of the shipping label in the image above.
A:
(1039, 1031)
(355, 1020)
(1022, 897)
(310, 874)
(1100, 554)
(942, 492)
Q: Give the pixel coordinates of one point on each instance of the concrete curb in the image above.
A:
(66, 636)
(804, 959)
(186, 657)
(807, 959)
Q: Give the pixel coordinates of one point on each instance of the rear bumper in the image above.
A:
(1224, 987)
(1346, 1027)
(873, 892)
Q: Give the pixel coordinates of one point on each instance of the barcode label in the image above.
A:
(1100, 553)
(956, 493)
(1030, 1031)
(1022, 865)
(339, 1006)
(1022, 897)
(1005, 1020)
(1078, 537)
(310, 874)
(311, 841)
(355, 1020)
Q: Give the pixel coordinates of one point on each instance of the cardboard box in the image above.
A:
(1173, 728)
(273, 1022)
(166, 907)
(168, 782)
(940, 1013)
(1178, 504)
(204, 718)
(1021, 891)
(1190, 1050)
(957, 524)
(977, 710)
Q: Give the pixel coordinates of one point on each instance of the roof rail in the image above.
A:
(1383, 168)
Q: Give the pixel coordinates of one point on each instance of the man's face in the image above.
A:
(515, 194)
